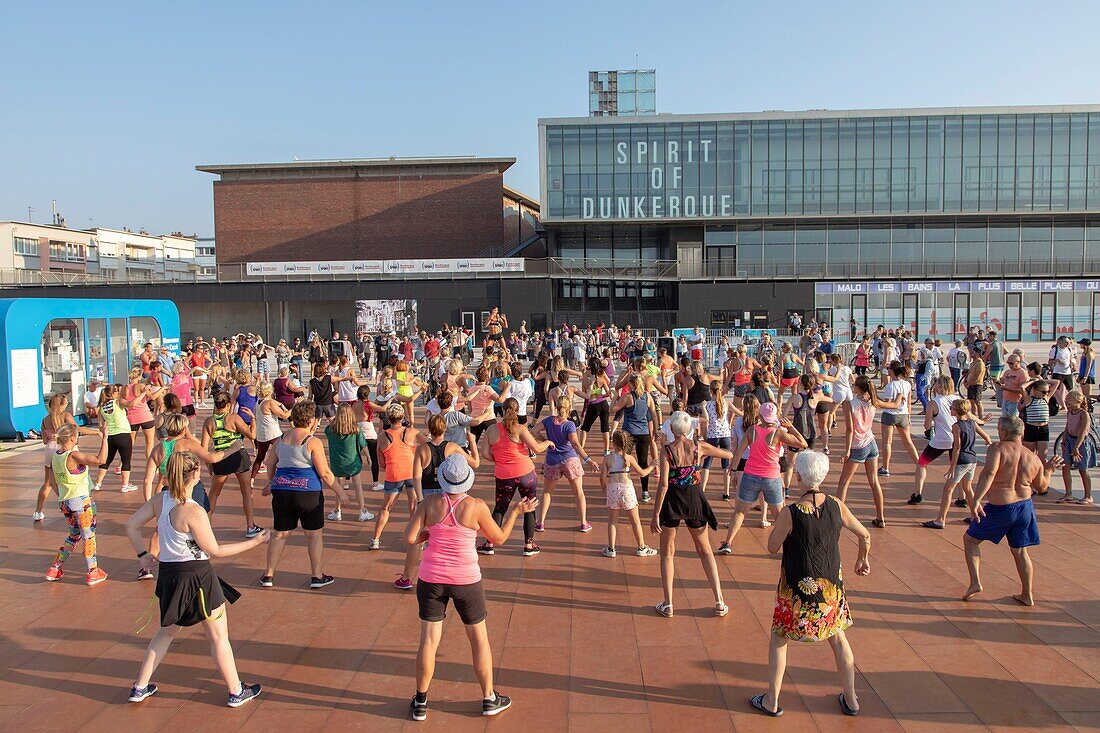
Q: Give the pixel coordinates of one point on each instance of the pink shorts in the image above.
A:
(789, 382)
(48, 451)
(620, 493)
(570, 468)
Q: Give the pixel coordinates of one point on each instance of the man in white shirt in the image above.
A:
(957, 363)
(695, 341)
(91, 402)
(1062, 362)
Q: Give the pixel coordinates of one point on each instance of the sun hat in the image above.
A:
(455, 475)
(768, 414)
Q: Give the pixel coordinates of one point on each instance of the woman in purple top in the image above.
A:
(563, 460)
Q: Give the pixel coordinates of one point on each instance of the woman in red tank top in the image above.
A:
(396, 448)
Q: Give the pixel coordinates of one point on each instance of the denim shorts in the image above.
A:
(395, 487)
(864, 454)
(752, 486)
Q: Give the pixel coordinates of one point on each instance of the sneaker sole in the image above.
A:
(419, 717)
(242, 702)
(142, 697)
(315, 586)
(97, 581)
(52, 580)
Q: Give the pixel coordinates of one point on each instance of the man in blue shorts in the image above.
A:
(1010, 476)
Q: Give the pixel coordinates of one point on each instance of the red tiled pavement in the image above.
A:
(574, 635)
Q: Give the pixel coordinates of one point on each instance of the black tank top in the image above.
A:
(428, 479)
(699, 392)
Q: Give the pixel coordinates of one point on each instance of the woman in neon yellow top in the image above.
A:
(70, 470)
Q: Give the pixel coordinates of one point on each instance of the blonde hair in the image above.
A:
(175, 424)
(265, 390)
(562, 406)
(181, 466)
(945, 385)
(344, 423)
(65, 433)
(56, 408)
(135, 374)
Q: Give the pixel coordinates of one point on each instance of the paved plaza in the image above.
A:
(576, 641)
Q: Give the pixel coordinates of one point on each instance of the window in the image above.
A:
(62, 356)
(143, 330)
(67, 252)
(25, 246)
(571, 288)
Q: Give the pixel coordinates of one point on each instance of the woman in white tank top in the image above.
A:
(188, 589)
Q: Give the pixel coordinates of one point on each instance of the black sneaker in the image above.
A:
(419, 709)
(960, 503)
(322, 581)
(915, 499)
(267, 581)
(486, 549)
(531, 550)
(496, 706)
(645, 497)
(247, 693)
(138, 694)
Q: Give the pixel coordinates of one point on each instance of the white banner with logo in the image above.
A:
(387, 267)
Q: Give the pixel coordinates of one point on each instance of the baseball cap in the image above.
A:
(455, 475)
(769, 414)
(1085, 342)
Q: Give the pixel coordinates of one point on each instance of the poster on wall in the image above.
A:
(397, 316)
(24, 378)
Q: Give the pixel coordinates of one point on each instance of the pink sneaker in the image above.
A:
(96, 576)
(539, 527)
(402, 583)
(586, 527)
(54, 573)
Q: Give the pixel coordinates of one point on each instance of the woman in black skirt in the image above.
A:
(189, 590)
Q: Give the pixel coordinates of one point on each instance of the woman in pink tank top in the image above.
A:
(448, 525)
(859, 416)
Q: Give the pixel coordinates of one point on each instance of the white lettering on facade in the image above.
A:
(657, 178)
(587, 208)
(705, 144)
(643, 148)
(673, 151)
(621, 154)
(655, 207)
(673, 206)
(725, 204)
(689, 206)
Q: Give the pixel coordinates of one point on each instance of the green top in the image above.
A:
(114, 416)
(169, 446)
(223, 437)
(343, 452)
(69, 486)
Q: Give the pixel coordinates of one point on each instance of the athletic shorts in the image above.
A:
(1067, 380)
(142, 426)
(864, 453)
(291, 508)
(571, 468)
(395, 487)
(897, 421)
(469, 601)
(234, 463)
(1015, 521)
(930, 454)
(752, 487)
(974, 392)
(740, 390)
(328, 411)
(1036, 433)
(962, 471)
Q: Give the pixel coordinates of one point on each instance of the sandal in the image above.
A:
(1083, 501)
(758, 703)
(664, 609)
(844, 706)
(721, 609)
(1067, 499)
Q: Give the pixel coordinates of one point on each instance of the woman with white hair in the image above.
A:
(680, 499)
(810, 603)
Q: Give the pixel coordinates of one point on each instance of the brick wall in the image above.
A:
(346, 219)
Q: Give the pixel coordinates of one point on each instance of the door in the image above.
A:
(689, 259)
(1013, 306)
(961, 320)
(825, 315)
(858, 324)
(120, 351)
(97, 350)
(909, 303)
(469, 322)
(1048, 314)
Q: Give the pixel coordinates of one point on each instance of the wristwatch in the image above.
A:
(142, 554)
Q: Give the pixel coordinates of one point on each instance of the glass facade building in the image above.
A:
(622, 93)
(1010, 192)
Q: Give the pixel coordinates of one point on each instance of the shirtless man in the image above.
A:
(1010, 476)
(496, 323)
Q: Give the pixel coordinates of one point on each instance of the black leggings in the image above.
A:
(121, 444)
(261, 453)
(602, 410)
(506, 489)
(372, 451)
(642, 444)
(540, 402)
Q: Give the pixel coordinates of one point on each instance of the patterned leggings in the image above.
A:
(80, 512)
(506, 491)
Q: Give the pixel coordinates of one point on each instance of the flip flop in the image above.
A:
(844, 706)
(758, 703)
(1065, 500)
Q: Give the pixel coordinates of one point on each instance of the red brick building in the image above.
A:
(389, 208)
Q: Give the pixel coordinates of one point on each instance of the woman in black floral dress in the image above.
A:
(810, 604)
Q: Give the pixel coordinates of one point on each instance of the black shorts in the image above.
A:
(141, 426)
(234, 463)
(601, 410)
(289, 508)
(328, 411)
(469, 601)
(1036, 433)
(1067, 380)
(189, 410)
(974, 392)
(740, 465)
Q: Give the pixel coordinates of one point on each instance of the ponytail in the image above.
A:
(511, 415)
(181, 466)
(864, 384)
(719, 396)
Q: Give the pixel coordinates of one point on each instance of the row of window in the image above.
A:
(68, 252)
(25, 246)
(1025, 162)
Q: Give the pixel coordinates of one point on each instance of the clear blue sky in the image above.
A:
(109, 106)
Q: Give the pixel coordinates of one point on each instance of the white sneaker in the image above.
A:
(97, 487)
(127, 488)
(335, 516)
(607, 552)
(38, 516)
(645, 552)
(365, 516)
(375, 545)
(378, 486)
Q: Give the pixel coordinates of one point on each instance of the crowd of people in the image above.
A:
(422, 413)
